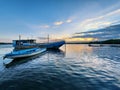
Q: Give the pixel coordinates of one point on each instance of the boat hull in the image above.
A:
(12, 56)
(50, 45)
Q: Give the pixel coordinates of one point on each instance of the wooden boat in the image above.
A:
(52, 45)
(95, 45)
(24, 53)
(27, 44)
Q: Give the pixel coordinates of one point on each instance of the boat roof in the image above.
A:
(25, 40)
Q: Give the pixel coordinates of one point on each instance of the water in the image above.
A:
(78, 67)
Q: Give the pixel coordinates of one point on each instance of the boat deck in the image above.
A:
(50, 45)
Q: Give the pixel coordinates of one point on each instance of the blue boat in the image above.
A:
(24, 53)
(24, 44)
(31, 43)
(52, 45)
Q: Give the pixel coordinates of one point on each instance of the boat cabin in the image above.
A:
(24, 42)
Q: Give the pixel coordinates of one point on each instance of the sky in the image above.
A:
(110, 32)
(58, 18)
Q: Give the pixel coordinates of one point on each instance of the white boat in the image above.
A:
(95, 45)
(24, 53)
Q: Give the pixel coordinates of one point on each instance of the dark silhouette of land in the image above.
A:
(4, 43)
(111, 41)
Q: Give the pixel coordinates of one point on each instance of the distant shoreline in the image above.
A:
(111, 41)
(89, 43)
(4, 43)
(75, 43)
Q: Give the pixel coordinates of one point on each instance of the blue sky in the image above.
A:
(59, 18)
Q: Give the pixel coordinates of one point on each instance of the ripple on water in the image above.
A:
(80, 68)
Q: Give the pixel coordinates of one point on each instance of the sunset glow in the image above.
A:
(58, 18)
(81, 39)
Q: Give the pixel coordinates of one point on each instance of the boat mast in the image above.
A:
(48, 38)
(19, 37)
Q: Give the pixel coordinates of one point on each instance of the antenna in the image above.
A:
(31, 36)
(48, 38)
(19, 37)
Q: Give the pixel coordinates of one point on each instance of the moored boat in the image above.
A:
(95, 45)
(31, 43)
(24, 53)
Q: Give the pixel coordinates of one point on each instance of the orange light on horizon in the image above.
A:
(81, 39)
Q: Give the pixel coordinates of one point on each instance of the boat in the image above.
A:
(31, 43)
(95, 45)
(52, 45)
(24, 44)
(24, 53)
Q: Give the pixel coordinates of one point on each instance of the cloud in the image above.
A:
(62, 22)
(112, 13)
(89, 24)
(97, 25)
(111, 32)
(6, 40)
(58, 23)
(101, 21)
(68, 21)
(44, 26)
(39, 26)
(69, 27)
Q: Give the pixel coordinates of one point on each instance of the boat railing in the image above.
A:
(50, 41)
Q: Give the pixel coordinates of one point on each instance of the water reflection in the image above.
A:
(6, 46)
(99, 65)
(15, 62)
(60, 53)
(78, 48)
(79, 67)
(48, 53)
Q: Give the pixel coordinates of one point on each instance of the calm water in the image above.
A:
(78, 67)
